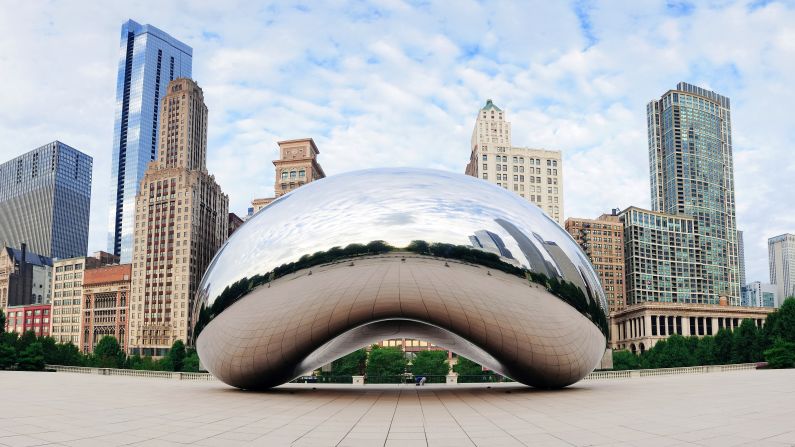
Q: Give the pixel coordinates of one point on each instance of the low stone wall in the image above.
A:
(451, 380)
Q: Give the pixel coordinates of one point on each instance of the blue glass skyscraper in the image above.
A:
(45, 200)
(148, 60)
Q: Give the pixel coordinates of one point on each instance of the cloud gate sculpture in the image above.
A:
(353, 259)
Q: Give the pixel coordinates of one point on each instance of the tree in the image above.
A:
(466, 367)
(7, 352)
(430, 363)
(176, 355)
(723, 346)
(191, 363)
(745, 343)
(353, 364)
(781, 355)
(706, 353)
(386, 362)
(68, 354)
(623, 360)
(31, 358)
(783, 324)
(108, 353)
(2, 322)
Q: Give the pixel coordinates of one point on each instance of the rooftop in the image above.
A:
(730, 408)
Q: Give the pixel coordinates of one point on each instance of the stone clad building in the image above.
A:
(534, 174)
(297, 165)
(181, 220)
(67, 297)
(106, 300)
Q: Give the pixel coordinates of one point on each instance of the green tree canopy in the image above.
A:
(624, 360)
(108, 353)
(746, 343)
(781, 355)
(723, 346)
(430, 363)
(191, 363)
(176, 355)
(466, 367)
(8, 354)
(31, 358)
(353, 364)
(2, 321)
(384, 362)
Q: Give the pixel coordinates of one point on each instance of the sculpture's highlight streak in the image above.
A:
(356, 258)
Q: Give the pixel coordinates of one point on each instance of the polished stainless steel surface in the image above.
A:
(346, 260)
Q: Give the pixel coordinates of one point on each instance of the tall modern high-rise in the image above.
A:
(692, 173)
(45, 199)
(534, 174)
(148, 60)
(182, 219)
(741, 257)
(781, 254)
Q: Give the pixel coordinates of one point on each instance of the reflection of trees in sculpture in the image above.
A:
(565, 290)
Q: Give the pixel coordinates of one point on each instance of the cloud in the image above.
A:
(399, 83)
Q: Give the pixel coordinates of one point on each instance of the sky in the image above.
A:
(399, 83)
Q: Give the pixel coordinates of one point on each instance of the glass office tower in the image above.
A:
(148, 60)
(692, 173)
(45, 200)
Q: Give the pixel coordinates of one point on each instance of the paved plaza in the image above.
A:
(717, 409)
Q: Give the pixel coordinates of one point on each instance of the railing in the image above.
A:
(407, 379)
(132, 372)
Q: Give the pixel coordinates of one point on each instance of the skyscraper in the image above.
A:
(741, 257)
(181, 220)
(534, 174)
(45, 199)
(781, 256)
(148, 60)
(692, 173)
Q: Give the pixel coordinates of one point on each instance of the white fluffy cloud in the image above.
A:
(399, 83)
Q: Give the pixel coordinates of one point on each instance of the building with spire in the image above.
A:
(534, 174)
(181, 220)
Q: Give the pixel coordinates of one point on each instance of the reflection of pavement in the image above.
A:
(702, 409)
(276, 333)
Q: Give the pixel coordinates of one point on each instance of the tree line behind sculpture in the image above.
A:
(565, 290)
(773, 343)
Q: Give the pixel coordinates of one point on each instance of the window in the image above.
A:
(485, 176)
(485, 157)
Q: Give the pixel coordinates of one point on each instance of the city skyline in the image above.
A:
(577, 93)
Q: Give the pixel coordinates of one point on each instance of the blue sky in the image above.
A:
(390, 82)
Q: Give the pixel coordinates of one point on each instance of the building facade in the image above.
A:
(234, 222)
(692, 173)
(148, 60)
(67, 297)
(32, 317)
(758, 294)
(781, 260)
(45, 199)
(296, 166)
(741, 258)
(534, 174)
(602, 239)
(106, 300)
(663, 258)
(25, 278)
(639, 327)
(181, 221)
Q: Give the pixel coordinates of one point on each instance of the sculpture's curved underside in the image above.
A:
(353, 259)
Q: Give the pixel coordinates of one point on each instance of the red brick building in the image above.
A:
(106, 301)
(34, 317)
